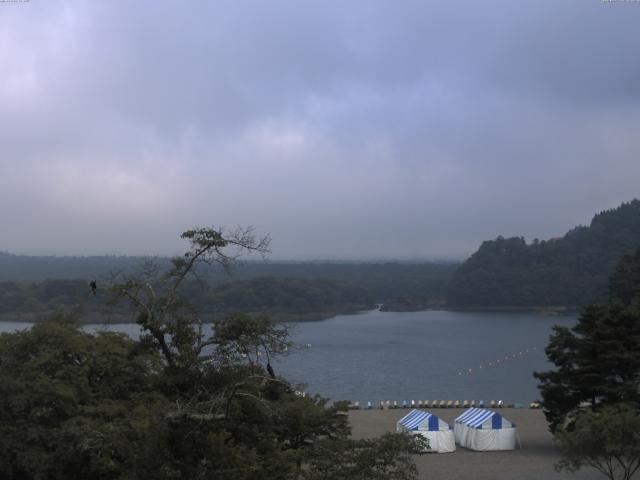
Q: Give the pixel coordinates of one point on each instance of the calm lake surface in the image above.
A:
(375, 356)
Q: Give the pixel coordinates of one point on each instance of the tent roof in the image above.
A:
(475, 418)
(415, 418)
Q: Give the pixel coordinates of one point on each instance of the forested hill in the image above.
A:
(568, 271)
(423, 282)
(32, 287)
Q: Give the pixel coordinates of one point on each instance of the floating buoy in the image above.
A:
(497, 362)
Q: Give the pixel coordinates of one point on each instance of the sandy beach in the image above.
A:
(535, 460)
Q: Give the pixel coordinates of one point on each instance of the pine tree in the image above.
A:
(598, 360)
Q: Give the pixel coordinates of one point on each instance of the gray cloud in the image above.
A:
(350, 130)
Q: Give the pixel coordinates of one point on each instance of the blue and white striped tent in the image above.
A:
(437, 431)
(482, 429)
(477, 417)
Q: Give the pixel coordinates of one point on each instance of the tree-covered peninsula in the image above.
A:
(34, 287)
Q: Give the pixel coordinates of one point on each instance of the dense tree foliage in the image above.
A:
(423, 282)
(26, 301)
(608, 440)
(82, 406)
(282, 298)
(598, 360)
(592, 398)
(285, 291)
(176, 403)
(624, 286)
(568, 271)
(74, 405)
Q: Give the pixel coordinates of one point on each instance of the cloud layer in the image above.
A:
(345, 129)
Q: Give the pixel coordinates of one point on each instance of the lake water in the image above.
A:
(375, 356)
(423, 355)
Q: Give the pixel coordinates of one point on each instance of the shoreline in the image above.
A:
(552, 310)
(93, 318)
(534, 461)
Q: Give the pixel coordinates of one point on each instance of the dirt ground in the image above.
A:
(535, 460)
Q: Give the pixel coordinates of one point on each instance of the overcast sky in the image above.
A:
(346, 129)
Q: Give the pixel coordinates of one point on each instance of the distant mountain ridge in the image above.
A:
(25, 268)
(568, 271)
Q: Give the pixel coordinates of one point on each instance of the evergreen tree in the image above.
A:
(624, 285)
(598, 360)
